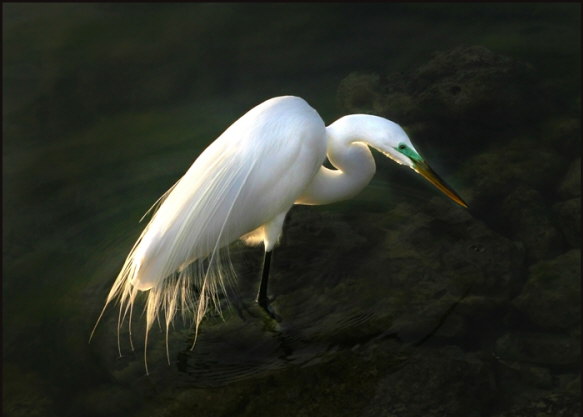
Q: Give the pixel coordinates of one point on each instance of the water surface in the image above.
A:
(392, 303)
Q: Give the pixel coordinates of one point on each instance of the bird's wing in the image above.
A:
(254, 171)
(229, 191)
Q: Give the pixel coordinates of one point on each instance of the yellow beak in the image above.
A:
(431, 176)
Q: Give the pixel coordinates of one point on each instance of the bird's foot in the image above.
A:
(250, 309)
(266, 306)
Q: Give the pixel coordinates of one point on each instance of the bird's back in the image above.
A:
(252, 172)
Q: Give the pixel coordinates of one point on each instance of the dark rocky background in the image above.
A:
(397, 303)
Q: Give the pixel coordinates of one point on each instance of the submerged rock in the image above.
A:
(550, 298)
(568, 211)
(445, 382)
(463, 95)
(477, 85)
(539, 348)
(495, 173)
(563, 134)
(28, 395)
(360, 92)
(446, 271)
(549, 405)
(510, 186)
(529, 221)
(568, 214)
(570, 185)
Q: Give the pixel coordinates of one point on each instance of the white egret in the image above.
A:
(241, 187)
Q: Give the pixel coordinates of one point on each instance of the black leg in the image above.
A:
(262, 295)
(262, 299)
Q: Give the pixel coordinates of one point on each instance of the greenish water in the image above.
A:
(394, 303)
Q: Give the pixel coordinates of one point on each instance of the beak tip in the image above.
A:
(432, 177)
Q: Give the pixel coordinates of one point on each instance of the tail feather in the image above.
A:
(211, 274)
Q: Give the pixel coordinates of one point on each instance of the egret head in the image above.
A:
(395, 144)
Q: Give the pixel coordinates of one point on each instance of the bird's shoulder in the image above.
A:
(281, 123)
(280, 138)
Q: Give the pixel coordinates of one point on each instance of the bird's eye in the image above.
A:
(402, 147)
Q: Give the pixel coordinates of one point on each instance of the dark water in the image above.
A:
(397, 303)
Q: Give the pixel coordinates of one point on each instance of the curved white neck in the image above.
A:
(348, 153)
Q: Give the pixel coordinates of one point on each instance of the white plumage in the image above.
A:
(233, 187)
(242, 186)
